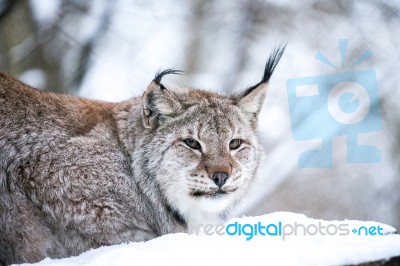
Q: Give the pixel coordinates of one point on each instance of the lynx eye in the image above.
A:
(235, 143)
(192, 144)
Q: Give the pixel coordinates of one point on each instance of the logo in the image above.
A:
(284, 230)
(343, 103)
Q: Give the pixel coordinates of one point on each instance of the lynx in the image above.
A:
(77, 174)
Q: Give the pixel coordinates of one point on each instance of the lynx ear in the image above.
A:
(159, 104)
(251, 100)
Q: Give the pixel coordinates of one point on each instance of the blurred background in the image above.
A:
(110, 50)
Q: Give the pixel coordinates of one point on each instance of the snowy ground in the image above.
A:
(338, 246)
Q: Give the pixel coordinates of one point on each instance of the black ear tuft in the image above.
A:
(272, 62)
(270, 66)
(160, 75)
(159, 104)
(251, 100)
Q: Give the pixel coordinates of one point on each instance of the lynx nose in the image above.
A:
(220, 178)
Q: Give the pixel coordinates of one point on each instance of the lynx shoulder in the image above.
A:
(77, 174)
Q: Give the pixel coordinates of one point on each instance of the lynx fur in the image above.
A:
(77, 174)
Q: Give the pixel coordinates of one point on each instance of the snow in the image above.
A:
(201, 249)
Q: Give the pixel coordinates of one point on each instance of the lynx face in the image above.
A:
(204, 149)
(212, 154)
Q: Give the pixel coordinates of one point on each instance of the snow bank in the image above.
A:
(335, 243)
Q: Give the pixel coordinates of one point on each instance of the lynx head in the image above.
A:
(202, 147)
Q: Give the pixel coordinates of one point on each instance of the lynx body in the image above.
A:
(77, 174)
